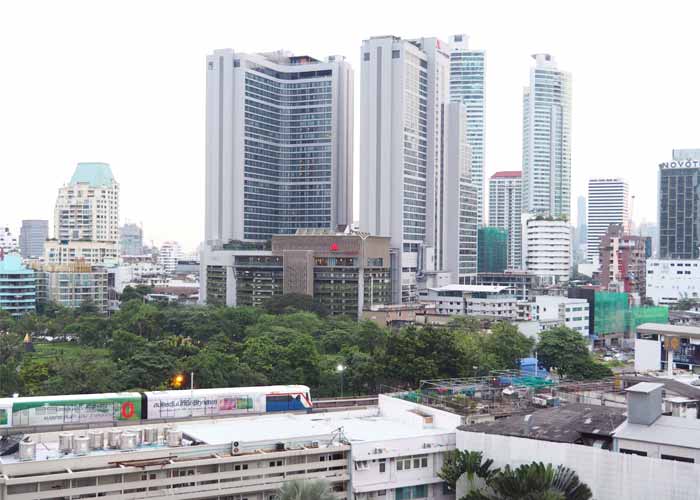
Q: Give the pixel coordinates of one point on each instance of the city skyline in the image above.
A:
(113, 101)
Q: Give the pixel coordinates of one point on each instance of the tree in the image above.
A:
(567, 351)
(138, 292)
(305, 490)
(535, 481)
(471, 463)
(508, 345)
(280, 304)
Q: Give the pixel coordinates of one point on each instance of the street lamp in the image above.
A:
(340, 369)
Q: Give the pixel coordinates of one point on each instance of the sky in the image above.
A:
(123, 82)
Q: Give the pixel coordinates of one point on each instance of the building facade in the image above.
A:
(671, 280)
(547, 248)
(32, 235)
(547, 139)
(343, 272)
(679, 206)
(623, 261)
(493, 250)
(403, 86)
(467, 71)
(608, 203)
(130, 239)
(573, 313)
(505, 209)
(279, 144)
(71, 285)
(520, 284)
(168, 255)
(8, 241)
(17, 286)
(91, 252)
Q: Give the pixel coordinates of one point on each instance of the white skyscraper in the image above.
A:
(403, 85)
(547, 139)
(547, 248)
(467, 69)
(608, 203)
(279, 145)
(505, 209)
(168, 255)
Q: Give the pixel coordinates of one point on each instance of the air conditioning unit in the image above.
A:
(314, 444)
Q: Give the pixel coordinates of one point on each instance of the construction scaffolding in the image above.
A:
(492, 250)
(609, 310)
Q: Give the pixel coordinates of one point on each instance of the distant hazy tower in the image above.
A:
(32, 236)
(279, 144)
(608, 203)
(87, 208)
(547, 139)
(467, 69)
(131, 239)
(404, 83)
(505, 209)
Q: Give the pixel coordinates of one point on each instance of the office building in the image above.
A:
(671, 280)
(623, 262)
(679, 206)
(493, 250)
(8, 241)
(71, 285)
(403, 86)
(483, 301)
(31, 238)
(547, 139)
(520, 284)
(168, 255)
(343, 272)
(547, 248)
(505, 210)
(17, 286)
(130, 239)
(608, 203)
(467, 70)
(279, 144)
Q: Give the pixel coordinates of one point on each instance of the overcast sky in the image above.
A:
(123, 82)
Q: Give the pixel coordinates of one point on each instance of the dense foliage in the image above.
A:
(566, 351)
(144, 345)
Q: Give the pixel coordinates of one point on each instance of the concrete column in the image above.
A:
(669, 362)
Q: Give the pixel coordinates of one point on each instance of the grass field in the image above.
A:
(66, 349)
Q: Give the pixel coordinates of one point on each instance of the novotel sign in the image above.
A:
(680, 164)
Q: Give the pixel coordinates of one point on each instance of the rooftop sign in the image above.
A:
(680, 164)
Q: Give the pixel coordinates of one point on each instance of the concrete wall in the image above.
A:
(647, 355)
(610, 475)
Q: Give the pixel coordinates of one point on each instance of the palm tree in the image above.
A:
(471, 463)
(305, 490)
(535, 481)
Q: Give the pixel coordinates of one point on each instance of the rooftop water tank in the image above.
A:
(81, 445)
(97, 440)
(27, 450)
(65, 442)
(113, 438)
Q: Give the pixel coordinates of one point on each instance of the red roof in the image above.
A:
(507, 173)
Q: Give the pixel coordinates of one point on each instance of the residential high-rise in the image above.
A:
(505, 210)
(32, 236)
(547, 248)
(623, 261)
(547, 139)
(87, 210)
(17, 286)
(679, 206)
(131, 239)
(8, 241)
(279, 144)
(467, 70)
(168, 255)
(608, 203)
(403, 86)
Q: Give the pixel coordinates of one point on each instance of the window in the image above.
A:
(678, 459)
(382, 465)
(381, 493)
(365, 56)
(627, 451)
(361, 465)
(395, 54)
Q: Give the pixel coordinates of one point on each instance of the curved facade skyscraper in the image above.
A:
(278, 144)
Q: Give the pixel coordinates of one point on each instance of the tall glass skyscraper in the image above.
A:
(467, 69)
(279, 144)
(547, 139)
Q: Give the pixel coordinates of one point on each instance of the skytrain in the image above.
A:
(134, 406)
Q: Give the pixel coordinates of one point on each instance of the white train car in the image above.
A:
(225, 401)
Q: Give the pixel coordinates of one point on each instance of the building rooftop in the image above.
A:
(676, 431)
(471, 288)
(12, 264)
(563, 424)
(95, 174)
(507, 173)
(673, 330)
(644, 387)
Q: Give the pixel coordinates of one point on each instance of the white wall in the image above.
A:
(610, 475)
(647, 355)
(670, 280)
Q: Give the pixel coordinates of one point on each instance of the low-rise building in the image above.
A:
(17, 286)
(71, 285)
(343, 272)
(520, 284)
(472, 300)
(573, 313)
(623, 261)
(670, 280)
